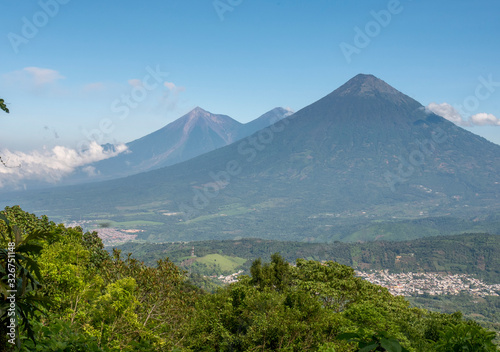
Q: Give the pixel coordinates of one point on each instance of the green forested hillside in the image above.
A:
(74, 296)
(476, 254)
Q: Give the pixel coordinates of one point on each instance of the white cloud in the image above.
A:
(484, 119)
(450, 113)
(50, 165)
(36, 80)
(42, 76)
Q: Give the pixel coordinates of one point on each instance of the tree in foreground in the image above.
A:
(22, 240)
(464, 337)
(109, 302)
(98, 301)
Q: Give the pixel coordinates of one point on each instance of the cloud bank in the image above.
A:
(450, 113)
(50, 165)
(484, 119)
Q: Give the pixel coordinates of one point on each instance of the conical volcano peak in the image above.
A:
(198, 111)
(199, 114)
(362, 85)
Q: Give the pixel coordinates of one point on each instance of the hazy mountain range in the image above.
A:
(198, 132)
(364, 154)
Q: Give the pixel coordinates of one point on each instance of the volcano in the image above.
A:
(196, 133)
(366, 152)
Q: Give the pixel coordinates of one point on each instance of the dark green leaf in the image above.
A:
(369, 348)
(390, 345)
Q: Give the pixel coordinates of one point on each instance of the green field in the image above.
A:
(226, 263)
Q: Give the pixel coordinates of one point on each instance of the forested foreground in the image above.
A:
(71, 295)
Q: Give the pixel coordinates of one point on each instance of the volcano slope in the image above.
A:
(364, 154)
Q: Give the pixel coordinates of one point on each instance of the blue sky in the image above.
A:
(66, 66)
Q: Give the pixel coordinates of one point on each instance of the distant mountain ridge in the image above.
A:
(364, 153)
(193, 134)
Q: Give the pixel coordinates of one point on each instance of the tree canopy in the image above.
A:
(75, 296)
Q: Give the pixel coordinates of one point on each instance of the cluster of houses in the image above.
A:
(109, 235)
(413, 284)
(229, 279)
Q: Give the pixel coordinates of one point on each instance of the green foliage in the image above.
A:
(3, 106)
(94, 245)
(244, 318)
(465, 337)
(114, 312)
(308, 308)
(20, 299)
(379, 341)
(327, 347)
(59, 336)
(103, 302)
(484, 310)
(276, 274)
(474, 254)
(97, 302)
